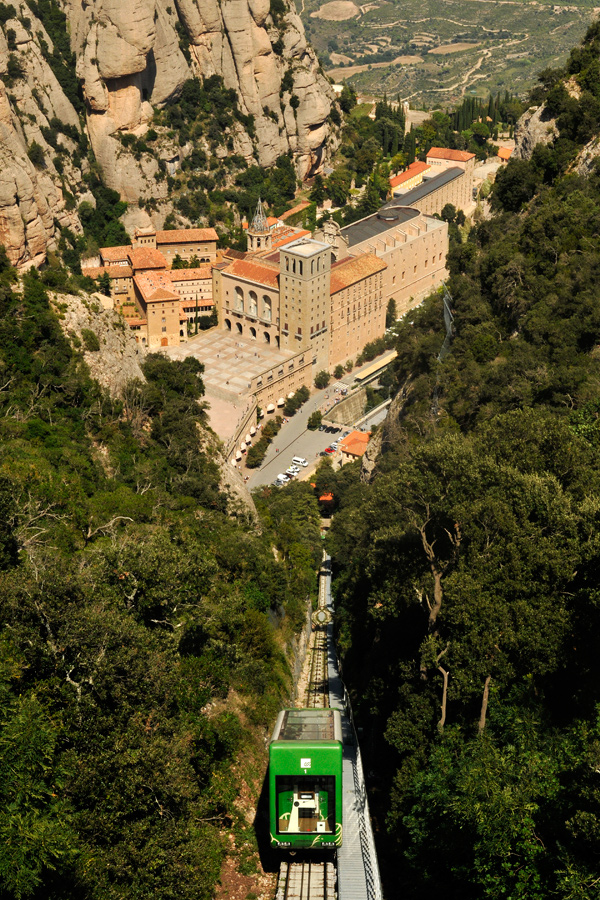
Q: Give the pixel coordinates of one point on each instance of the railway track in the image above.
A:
(306, 881)
(317, 692)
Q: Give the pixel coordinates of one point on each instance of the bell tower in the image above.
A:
(258, 234)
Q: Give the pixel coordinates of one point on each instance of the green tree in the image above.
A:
(314, 420)
(322, 379)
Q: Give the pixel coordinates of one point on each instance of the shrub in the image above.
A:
(90, 340)
(14, 69)
(36, 155)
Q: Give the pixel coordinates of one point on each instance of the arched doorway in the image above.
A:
(253, 333)
(267, 337)
(238, 325)
(228, 324)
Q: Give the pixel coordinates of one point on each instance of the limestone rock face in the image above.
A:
(31, 199)
(586, 158)
(132, 57)
(118, 360)
(534, 127)
(130, 60)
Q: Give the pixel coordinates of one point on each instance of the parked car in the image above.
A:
(329, 450)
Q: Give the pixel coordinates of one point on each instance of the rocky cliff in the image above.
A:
(131, 59)
(534, 127)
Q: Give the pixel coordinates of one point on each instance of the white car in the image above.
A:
(283, 479)
(294, 469)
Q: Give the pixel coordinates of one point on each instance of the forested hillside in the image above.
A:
(142, 626)
(467, 568)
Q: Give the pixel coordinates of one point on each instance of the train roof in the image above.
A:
(308, 725)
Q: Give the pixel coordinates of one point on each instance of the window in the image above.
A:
(164, 328)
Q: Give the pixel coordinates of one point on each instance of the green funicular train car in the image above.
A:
(305, 779)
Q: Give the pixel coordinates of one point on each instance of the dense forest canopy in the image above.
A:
(467, 567)
(142, 624)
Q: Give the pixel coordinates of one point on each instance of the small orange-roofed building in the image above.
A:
(143, 258)
(115, 256)
(354, 446)
(160, 306)
(183, 242)
(504, 154)
(408, 179)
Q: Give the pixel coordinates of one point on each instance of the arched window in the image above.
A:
(252, 304)
(239, 299)
(253, 333)
(238, 325)
(266, 308)
(228, 324)
(267, 337)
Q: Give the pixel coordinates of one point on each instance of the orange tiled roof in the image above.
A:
(137, 321)
(112, 271)
(415, 168)
(146, 258)
(445, 153)
(190, 274)
(186, 235)
(114, 254)
(356, 443)
(150, 284)
(286, 236)
(162, 294)
(504, 152)
(349, 271)
(253, 270)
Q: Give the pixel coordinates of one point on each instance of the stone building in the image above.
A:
(412, 247)
(410, 178)
(185, 243)
(296, 300)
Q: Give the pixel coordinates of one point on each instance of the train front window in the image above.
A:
(305, 804)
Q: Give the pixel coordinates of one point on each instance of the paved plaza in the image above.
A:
(230, 363)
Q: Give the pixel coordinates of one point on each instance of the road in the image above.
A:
(295, 440)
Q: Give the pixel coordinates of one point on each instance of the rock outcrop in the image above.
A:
(534, 127)
(32, 202)
(118, 358)
(587, 157)
(130, 59)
